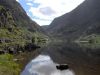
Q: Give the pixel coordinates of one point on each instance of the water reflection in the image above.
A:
(43, 65)
(83, 61)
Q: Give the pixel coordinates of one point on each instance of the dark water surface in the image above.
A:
(83, 61)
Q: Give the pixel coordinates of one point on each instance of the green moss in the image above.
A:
(8, 66)
(1, 7)
(40, 39)
(17, 37)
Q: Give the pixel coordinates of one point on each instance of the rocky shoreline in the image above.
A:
(18, 49)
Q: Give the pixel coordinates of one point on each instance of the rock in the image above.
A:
(2, 52)
(12, 50)
(5, 40)
(31, 46)
(2, 40)
(62, 67)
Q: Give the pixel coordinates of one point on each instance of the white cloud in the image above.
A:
(17, 0)
(29, 4)
(28, 0)
(42, 22)
(50, 9)
(39, 14)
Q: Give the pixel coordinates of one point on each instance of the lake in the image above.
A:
(81, 60)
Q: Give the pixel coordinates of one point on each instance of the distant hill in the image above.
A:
(82, 21)
(45, 27)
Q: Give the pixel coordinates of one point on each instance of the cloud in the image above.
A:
(17, 0)
(42, 22)
(47, 9)
(41, 14)
(29, 4)
(29, 0)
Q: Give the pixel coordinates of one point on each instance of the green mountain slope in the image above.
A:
(19, 15)
(18, 33)
(16, 28)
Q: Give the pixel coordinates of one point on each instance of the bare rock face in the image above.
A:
(83, 20)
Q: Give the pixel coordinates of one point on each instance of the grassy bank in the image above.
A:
(91, 41)
(8, 66)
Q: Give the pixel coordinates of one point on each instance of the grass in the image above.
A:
(91, 41)
(8, 66)
(12, 36)
(20, 37)
(17, 37)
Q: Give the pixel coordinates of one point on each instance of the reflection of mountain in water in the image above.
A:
(84, 61)
(43, 65)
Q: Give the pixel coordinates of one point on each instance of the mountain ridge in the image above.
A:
(20, 16)
(83, 20)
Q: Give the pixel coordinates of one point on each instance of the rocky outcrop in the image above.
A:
(18, 49)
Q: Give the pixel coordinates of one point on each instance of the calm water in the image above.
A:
(43, 65)
(82, 61)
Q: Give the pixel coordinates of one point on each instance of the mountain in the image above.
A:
(19, 15)
(18, 33)
(17, 30)
(83, 20)
(45, 27)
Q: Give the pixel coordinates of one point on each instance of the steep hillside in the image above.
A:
(82, 21)
(45, 27)
(17, 30)
(18, 33)
(20, 17)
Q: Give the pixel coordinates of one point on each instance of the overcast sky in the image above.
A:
(44, 11)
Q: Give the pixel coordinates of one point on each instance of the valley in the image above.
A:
(73, 39)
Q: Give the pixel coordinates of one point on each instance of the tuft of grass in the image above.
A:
(8, 66)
